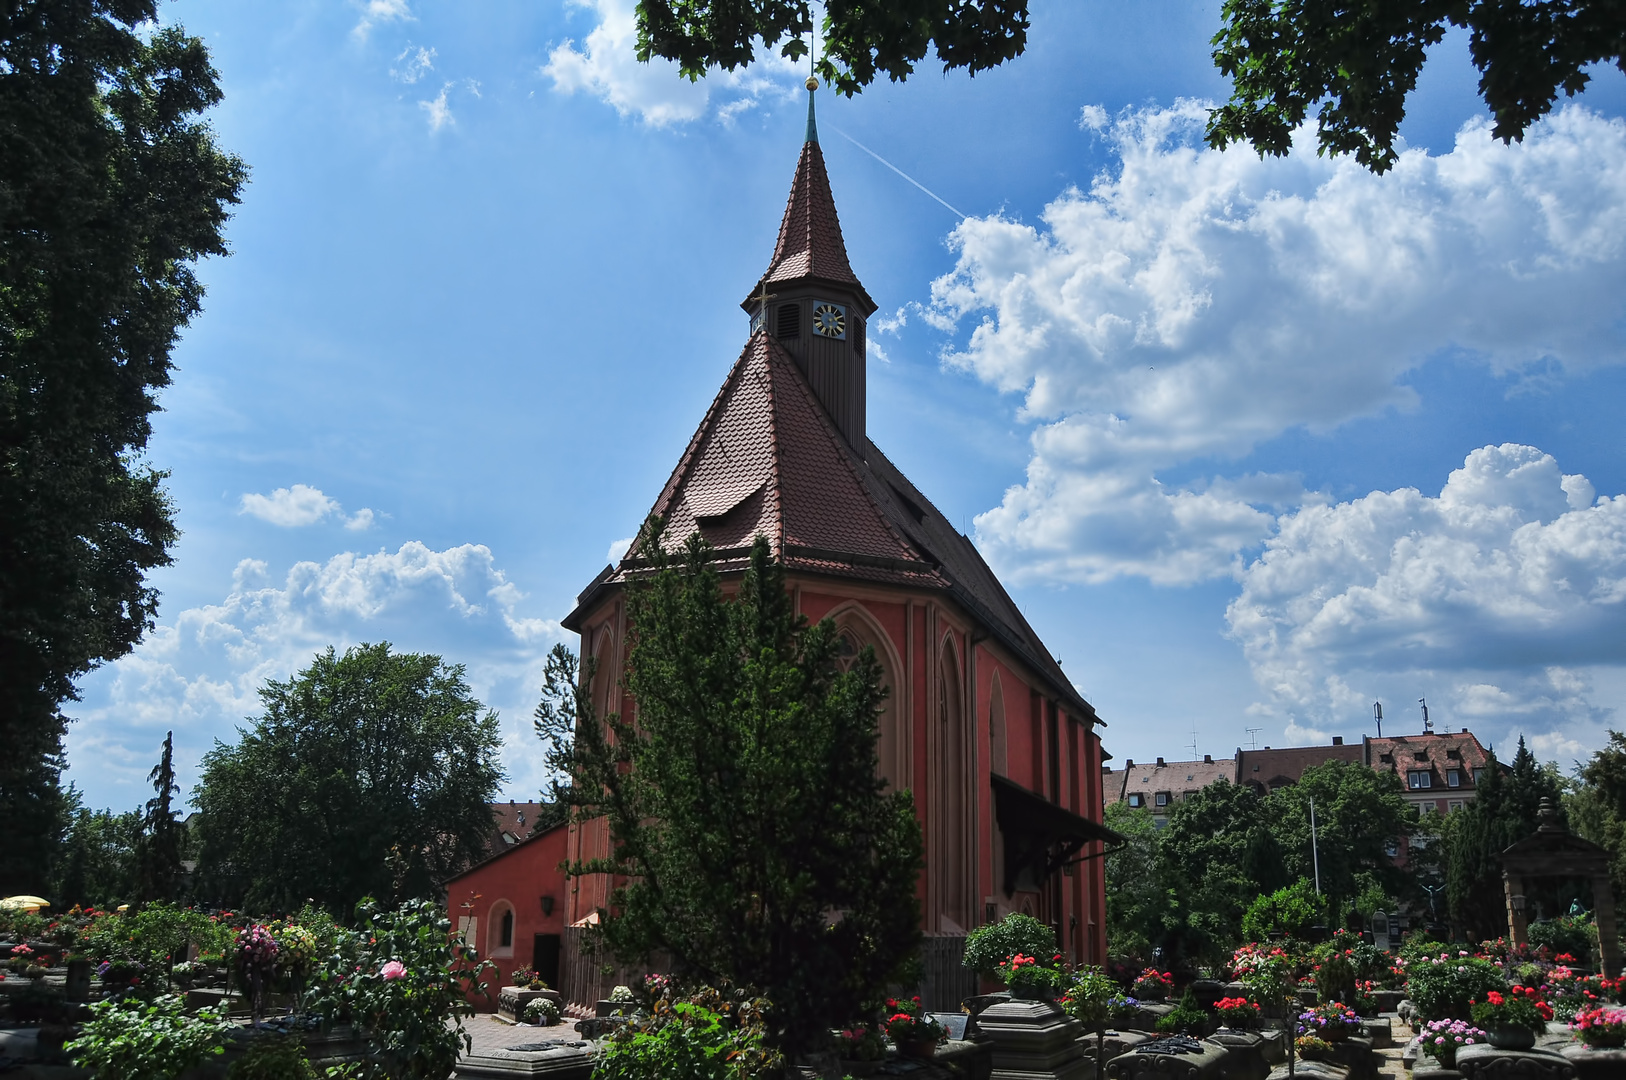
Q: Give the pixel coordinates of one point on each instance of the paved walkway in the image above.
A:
(490, 1033)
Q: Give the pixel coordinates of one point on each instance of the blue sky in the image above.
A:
(1252, 443)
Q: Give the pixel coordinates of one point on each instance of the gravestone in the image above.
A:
(1169, 1057)
(1481, 1062)
(1033, 1040)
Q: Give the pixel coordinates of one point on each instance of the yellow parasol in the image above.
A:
(25, 903)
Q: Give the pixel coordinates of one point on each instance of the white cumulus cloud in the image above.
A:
(298, 506)
(606, 66)
(198, 673)
(377, 12)
(1502, 599)
(1195, 303)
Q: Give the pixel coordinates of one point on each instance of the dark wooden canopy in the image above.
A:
(1040, 836)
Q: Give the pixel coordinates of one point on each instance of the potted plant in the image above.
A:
(915, 1034)
(528, 979)
(1512, 1020)
(1333, 1022)
(542, 1011)
(1236, 1012)
(1029, 978)
(1601, 1029)
(1152, 985)
(861, 1050)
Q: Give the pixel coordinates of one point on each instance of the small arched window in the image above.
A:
(506, 938)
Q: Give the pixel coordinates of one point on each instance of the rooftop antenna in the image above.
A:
(1428, 725)
(1194, 742)
(1253, 737)
(1377, 714)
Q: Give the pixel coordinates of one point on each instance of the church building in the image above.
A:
(999, 750)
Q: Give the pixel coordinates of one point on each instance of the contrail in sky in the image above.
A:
(897, 170)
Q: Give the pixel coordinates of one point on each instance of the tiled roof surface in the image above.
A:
(515, 819)
(1430, 753)
(1289, 763)
(810, 243)
(1176, 777)
(767, 460)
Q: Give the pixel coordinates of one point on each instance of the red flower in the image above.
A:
(1495, 998)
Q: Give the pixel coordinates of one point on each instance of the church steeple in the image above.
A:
(810, 299)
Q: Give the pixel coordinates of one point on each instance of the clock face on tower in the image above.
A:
(829, 320)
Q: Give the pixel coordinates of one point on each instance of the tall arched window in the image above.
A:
(500, 929)
(953, 836)
(857, 631)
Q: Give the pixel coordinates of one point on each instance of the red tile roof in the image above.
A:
(1269, 767)
(1431, 753)
(767, 460)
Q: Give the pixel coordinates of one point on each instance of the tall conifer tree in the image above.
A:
(751, 833)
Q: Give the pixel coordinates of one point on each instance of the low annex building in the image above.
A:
(510, 908)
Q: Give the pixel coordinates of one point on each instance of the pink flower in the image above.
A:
(393, 970)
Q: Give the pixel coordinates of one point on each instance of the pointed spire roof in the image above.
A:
(810, 243)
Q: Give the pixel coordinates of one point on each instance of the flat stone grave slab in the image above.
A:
(1313, 1070)
(1171, 1056)
(511, 1000)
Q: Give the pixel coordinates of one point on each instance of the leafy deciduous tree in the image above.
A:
(369, 774)
(860, 39)
(751, 838)
(111, 188)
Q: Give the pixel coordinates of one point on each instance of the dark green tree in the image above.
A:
(1597, 806)
(368, 774)
(859, 39)
(1359, 811)
(749, 832)
(98, 866)
(1354, 65)
(1504, 811)
(111, 188)
(1218, 852)
(162, 837)
(1137, 896)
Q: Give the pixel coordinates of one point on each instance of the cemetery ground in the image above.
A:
(169, 992)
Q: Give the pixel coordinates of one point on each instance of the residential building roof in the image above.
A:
(1272, 768)
(1436, 754)
(1176, 779)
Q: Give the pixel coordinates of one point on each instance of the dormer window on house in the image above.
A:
(1387, 759)
(1454, 753)
(1453, 778)
(1137, 800)
(1419, 778)
(1163, 798)
(1479, 774)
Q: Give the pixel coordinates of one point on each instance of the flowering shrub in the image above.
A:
(1122, 1007)
(529, 978)
(402, 976)
(987, 946)
(257, 960)
(1089, 997)
(1600, 1027)
(1314, 1048)
(544, 1011)
(1520, 1007)
(1025, 973)
(657, 986)
(1236, 1011)
(1565, 934)
(295, 948)
(1445, 986)
(707, 1036)
(1187, 1018)
(623, 995)
(1332, 1021)
(907, 1022)
(860, 1043)
(1152, 984)
(1441, 1039)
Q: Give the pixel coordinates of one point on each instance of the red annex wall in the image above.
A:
(526, 885)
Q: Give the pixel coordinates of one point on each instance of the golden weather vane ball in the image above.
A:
(812, 83)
